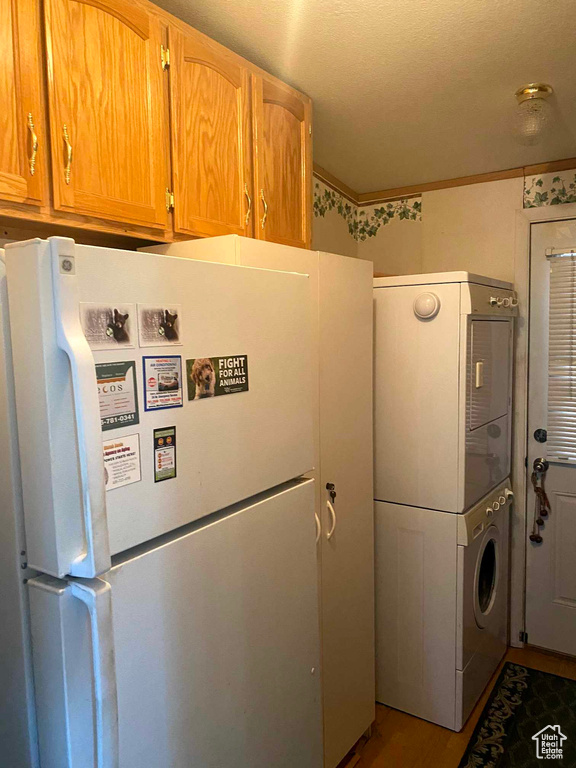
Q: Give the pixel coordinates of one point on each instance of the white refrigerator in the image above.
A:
(158, 512)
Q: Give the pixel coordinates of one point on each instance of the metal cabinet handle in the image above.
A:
(263, 222)
(249, 211)
(32, 158)
(68, 168)
(318, 527)
(333, 516)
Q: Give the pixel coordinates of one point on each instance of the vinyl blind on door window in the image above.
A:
(561, 444)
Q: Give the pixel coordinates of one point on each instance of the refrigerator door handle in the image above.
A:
(318, 527)
(95, 558)
(97, 597)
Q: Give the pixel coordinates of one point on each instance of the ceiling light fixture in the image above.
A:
(533, 111)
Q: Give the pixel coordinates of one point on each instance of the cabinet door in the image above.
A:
(22, 136)
(106, 110)
(282, 162)
(347, 462)
(210, 153)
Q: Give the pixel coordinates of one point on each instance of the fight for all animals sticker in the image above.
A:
(164, 454)
(117, 394)
(122, 461)
(162, 382)
(214, 376)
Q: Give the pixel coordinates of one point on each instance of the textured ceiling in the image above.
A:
(409, 91)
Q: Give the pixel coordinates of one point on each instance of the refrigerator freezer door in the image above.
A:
(216, 645)
(227, 448)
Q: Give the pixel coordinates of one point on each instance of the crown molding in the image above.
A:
(331, 181)
(372, 198)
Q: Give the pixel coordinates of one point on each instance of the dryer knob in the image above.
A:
(496, 506)
(509, 493)
(426, 306)
(506, 302)
(502, 500)
(489, 511)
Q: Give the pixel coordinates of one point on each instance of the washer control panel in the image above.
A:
(499, 501)
(474, 522)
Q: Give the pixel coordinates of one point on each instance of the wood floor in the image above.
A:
(401, 741)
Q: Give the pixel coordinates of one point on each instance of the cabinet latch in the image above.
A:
(165, 57)
(169, 200)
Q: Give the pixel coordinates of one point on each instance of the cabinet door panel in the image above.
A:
(282, 163)
(345, 315)
(210, 154)
(21, 116)
(105, 83)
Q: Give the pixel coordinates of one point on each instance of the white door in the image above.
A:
(551, 574)
(216, 645)
(227, 448)
(348, 528)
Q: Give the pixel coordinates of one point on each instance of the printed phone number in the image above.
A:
(127, 417)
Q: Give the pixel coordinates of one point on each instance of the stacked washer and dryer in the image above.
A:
(443, 411)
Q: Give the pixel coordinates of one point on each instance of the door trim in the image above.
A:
(524, 220)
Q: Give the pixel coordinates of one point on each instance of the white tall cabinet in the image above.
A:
(342, 374)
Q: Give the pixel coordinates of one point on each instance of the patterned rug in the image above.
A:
(529, 720)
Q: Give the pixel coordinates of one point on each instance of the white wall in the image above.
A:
(330, 233)
(471, 228)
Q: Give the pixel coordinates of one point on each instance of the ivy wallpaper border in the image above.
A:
(364, 222)
(370, 220)
(550, 189)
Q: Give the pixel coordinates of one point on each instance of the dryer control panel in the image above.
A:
(486, 300)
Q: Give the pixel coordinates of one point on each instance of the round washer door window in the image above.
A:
(487, 576)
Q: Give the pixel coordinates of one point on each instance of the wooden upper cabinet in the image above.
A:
(282, 162)
(106, 110)
(22, 134)
(209, 97)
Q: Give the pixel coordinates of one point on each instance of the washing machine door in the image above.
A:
(487, 576)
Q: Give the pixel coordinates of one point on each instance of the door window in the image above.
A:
(561, 422)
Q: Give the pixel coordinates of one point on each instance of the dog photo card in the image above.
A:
(214, 376)
(160, 325)
(108, 326)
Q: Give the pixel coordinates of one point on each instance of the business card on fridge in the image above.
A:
(164, 454)
(162, 378)
(159, 325)
(122, 461)
(117, 394)
(108, 326)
